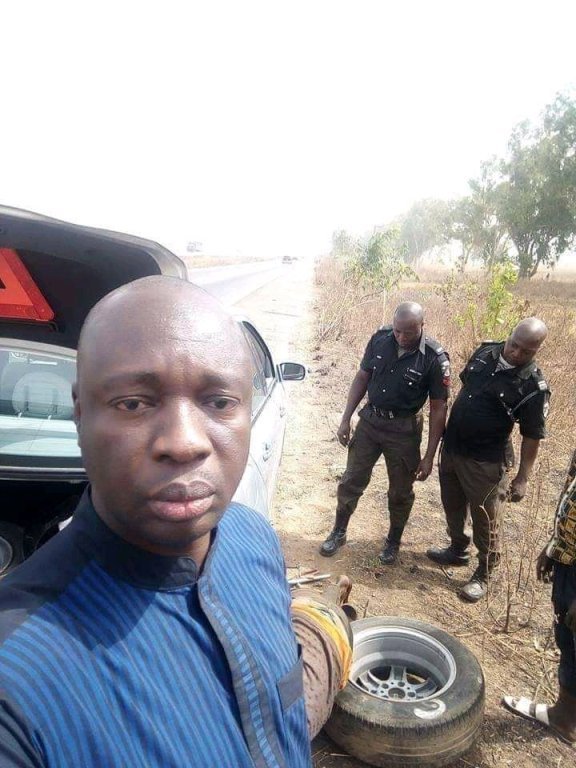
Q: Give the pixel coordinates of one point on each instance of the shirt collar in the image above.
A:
(125, 561)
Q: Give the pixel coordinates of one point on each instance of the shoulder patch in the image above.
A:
(539, 380)
(386, 328)
(445, 367)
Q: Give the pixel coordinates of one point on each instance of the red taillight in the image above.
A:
(20, 297)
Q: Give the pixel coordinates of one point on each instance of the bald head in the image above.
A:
(154, 305)
(163, 405)
(407, 323)
(409, 310)
(531, 328)
(524, 342)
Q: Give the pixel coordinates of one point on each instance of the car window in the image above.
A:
(263, 378)
(36, 403)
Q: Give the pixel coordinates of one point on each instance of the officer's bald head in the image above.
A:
(407, 323)
(531, 328)
(524, 342)
(409, 310)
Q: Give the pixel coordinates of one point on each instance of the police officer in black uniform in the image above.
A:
(502, 385)
(400, 369)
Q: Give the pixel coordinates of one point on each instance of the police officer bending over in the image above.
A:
(501, 386)
(400, 369)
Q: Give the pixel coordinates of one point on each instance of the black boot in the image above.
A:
(477, 587)
(391, 546)
(448, 555)
(335, 540)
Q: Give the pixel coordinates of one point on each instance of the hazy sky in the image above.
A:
(263, 126)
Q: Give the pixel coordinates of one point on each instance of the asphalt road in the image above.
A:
(233, 283)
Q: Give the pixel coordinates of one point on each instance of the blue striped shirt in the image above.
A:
(112, 657)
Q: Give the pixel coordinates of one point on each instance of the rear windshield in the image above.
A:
(36, 406)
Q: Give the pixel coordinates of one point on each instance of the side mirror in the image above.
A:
(292, 371)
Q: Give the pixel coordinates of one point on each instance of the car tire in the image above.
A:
(415, 696)
(11, 547)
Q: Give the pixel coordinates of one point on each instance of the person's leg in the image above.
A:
(326, 650)
(363, 453)
(562, 714)
(455, 506)
(401, 448)
(485, 485)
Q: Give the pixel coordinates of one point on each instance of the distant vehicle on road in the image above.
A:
(51, 274)
(287, 259)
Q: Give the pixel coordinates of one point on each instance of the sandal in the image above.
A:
(538, 713)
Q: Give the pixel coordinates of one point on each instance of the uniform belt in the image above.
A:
(386, 414)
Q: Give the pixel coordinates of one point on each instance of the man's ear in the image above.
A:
(76, 401)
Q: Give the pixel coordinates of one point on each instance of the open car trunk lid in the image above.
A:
(73, 267)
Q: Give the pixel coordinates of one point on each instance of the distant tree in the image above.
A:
(475, 219)
(344, 245)
(537, 204)
(426, 225)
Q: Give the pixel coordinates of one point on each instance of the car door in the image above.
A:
(268, 426)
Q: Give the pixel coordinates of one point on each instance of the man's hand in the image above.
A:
(338, 593)
(343, 433)
(570, 619)
(544, 567)
(517, 489)
(424, 468)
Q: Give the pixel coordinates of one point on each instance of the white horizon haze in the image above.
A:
(259, 128)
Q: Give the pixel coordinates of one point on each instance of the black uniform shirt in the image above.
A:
(402, 384)
(490, 402)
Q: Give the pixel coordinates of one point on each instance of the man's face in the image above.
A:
(407, 332)
(163, 414)
(520, 348)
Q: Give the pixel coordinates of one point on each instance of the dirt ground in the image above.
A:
(521, 660)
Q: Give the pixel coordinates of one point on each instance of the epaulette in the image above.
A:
(435, 345)
(386, 330)
(485, 345)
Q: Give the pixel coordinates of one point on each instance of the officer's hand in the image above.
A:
(343, 433)
(424, 468)
(544, 567)
(570, 619)
(517, 489)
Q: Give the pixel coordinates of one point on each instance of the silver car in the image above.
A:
(51, 274)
